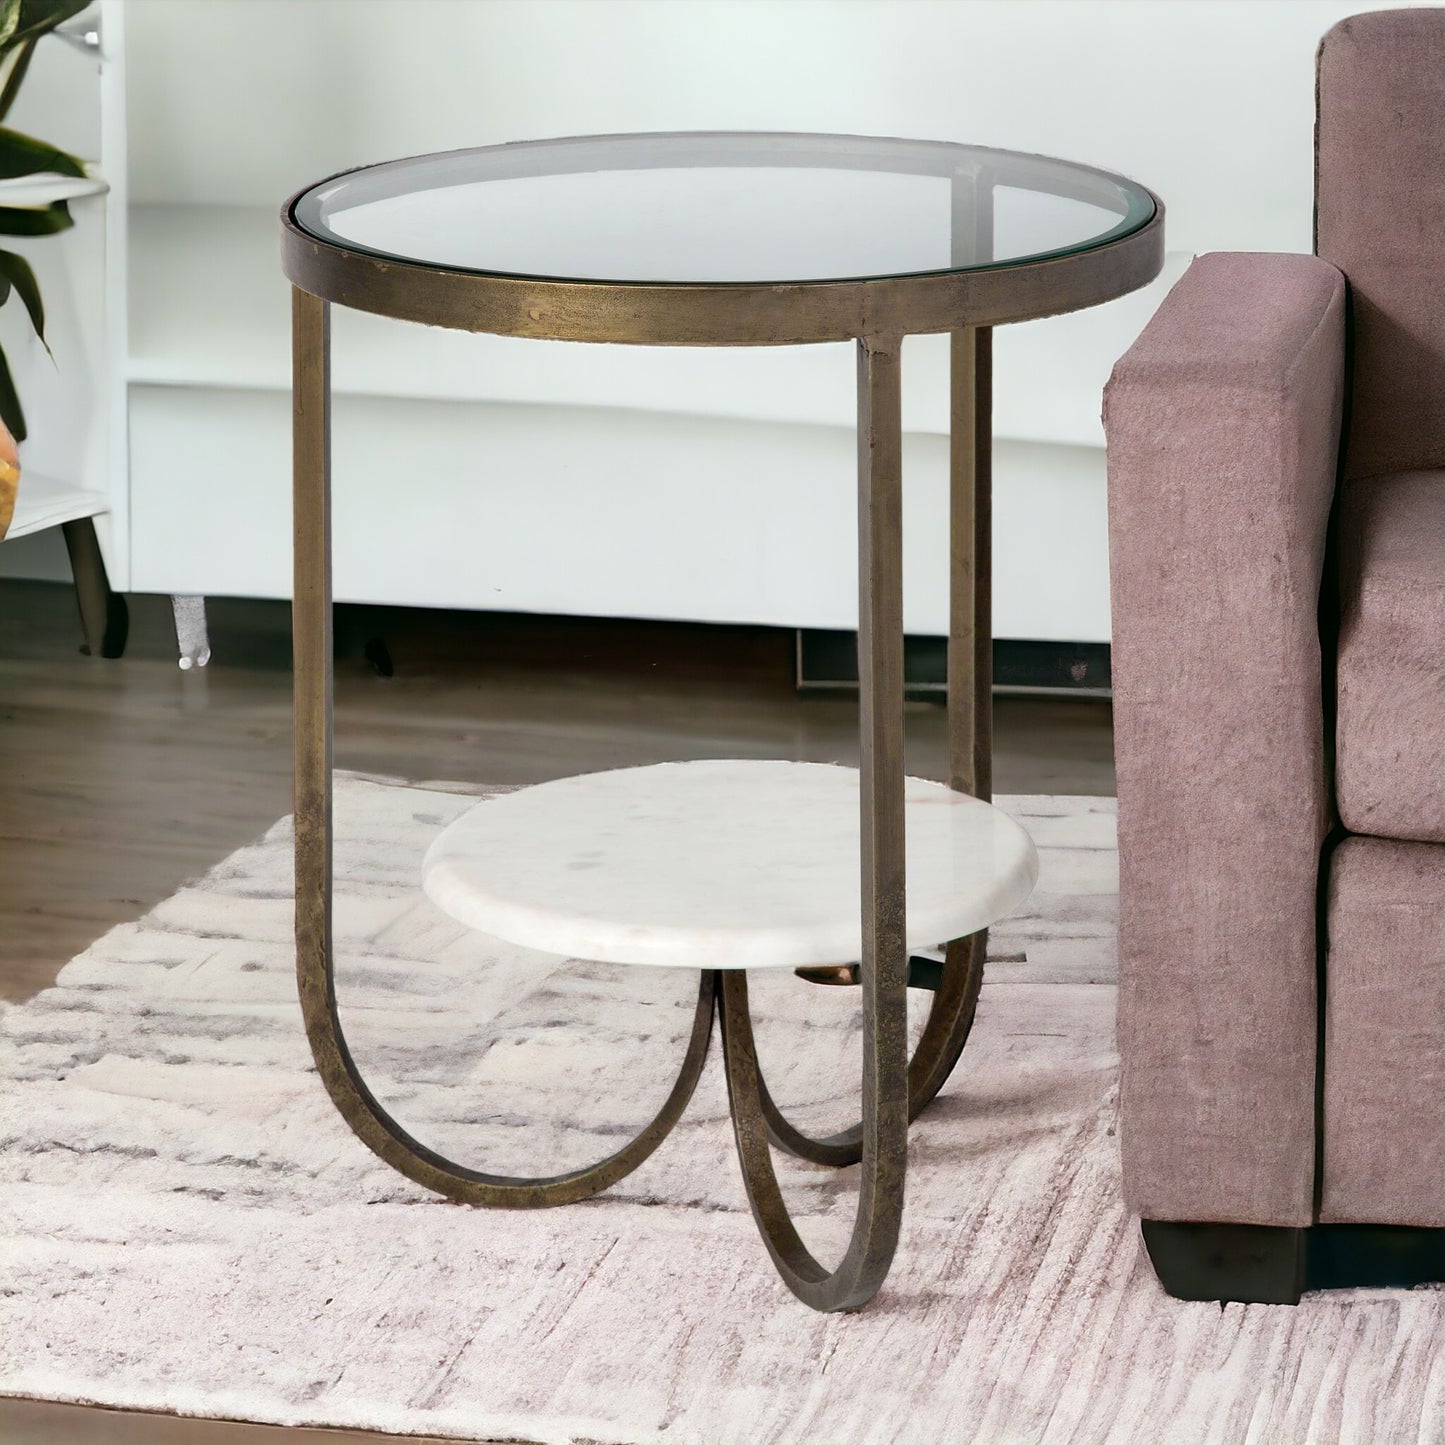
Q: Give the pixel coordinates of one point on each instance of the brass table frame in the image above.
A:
(876, 314)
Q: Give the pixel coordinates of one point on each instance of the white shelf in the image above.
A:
(750, 449)
(741, 460)
(210, 307)
(42, 502)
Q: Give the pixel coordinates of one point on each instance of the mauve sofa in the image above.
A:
(1277, 532)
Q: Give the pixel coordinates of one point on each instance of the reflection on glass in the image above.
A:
(723, 208)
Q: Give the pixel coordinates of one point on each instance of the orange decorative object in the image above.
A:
(9, 478)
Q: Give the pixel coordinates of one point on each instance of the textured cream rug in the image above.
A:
(189, 1226)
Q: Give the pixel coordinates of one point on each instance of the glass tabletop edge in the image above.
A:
(721, 313)
(1144, 206)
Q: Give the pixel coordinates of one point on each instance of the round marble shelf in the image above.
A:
(716, 864)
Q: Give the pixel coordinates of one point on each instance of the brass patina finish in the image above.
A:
(877, 314)
(315, 959)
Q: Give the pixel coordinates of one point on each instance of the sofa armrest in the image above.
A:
(1223, 424)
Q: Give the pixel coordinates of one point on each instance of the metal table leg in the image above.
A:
(315, 967)
(970, 719)
(884, 970)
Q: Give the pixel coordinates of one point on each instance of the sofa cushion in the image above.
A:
(1384, 1083)
(1390, 733)
(1380, 217)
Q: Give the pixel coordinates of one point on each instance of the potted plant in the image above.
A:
(23, 24)
(36, 179)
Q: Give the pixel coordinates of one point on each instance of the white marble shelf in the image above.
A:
(717, 864)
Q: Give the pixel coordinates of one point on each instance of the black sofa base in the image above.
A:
(1263, 1264)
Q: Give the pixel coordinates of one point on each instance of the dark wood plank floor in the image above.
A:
(40, 1422)
(119, 780)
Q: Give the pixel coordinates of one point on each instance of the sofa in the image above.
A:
(1276, 463)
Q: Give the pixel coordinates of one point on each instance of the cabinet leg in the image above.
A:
(104, 616)
(191, 639)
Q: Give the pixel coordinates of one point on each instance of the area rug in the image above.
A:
(188, 1226)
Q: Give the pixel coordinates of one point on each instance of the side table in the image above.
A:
(720, 239)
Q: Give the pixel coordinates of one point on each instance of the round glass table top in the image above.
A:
(722, 208)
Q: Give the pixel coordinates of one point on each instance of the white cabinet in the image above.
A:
(477, 471)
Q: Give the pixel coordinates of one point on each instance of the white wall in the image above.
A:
(1210, 102)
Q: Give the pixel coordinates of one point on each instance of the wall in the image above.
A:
(1210, 102)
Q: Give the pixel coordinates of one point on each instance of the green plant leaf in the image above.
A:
(17, 58)
(35, 220)
(40, 17)
(17, 274)
(11, 412)
(9, 20)
(22, 24)
(23, 155)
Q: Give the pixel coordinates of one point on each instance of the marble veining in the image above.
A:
(717, 864)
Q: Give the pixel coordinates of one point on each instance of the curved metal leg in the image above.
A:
(970, 718)
(884, 1152)
(946, 1031)
(311, 620)
(883, 1133)
(386, 1138)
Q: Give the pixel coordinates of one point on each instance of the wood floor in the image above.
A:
(119, 780)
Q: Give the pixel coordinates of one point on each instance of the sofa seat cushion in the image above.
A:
(1390, 732)
(1384, 1071)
